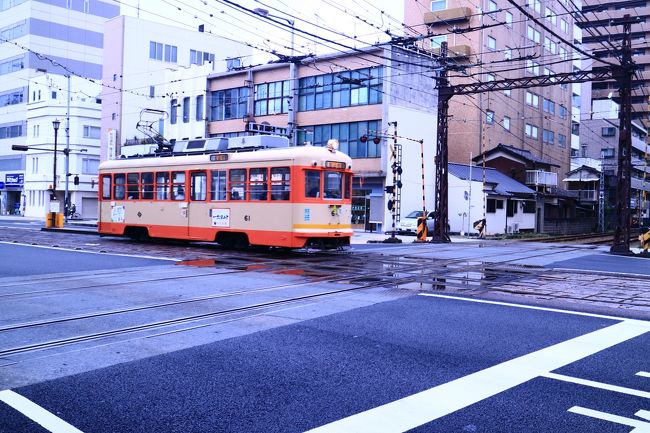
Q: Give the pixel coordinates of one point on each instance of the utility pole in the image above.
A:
(621, 244)
(66, 196)
(445, 92)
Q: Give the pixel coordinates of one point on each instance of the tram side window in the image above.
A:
(218, 185)
(312, 184)
(348, 186)
(199, 186)
(106, 186)
(147, 186)
(280, 183)
(118, 193)
(258, 183)
(133, 186)
(238, 184)
(162, 186)
(178, 185)
(333, 187)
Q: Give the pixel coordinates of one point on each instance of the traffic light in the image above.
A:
(76, 180)
(376, 140)
(363, 138)
(390, 189)
(391, 204)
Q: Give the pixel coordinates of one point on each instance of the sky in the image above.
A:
(346, 23)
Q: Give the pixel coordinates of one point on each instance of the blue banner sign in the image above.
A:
(2, 185)
(14, 179)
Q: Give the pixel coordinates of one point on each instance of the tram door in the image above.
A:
(198, 218)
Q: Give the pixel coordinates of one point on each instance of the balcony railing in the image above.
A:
(587, 195)
(541, 178)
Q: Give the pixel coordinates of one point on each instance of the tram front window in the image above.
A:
(333, 185)
(312, 184)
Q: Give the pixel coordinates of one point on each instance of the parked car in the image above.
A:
(409, 224)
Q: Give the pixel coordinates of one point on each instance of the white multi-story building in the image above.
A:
(135, 75)
(79, 133)
(38, 38)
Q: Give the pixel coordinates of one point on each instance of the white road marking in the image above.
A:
(643, 374)
(36, 413)
(426, 406)
(639, 426)
(600, 385)
(91, 252)
(529, 307)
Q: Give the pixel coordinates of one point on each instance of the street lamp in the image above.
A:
(291, 121)
(55, 123)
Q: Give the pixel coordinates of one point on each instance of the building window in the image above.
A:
(561, 140)
(35, 165)
(508, 19)
(532, 67)
(186, 109)
(607, 152)
(12, 65)
(548, 137)
(155, 50)
(532, 99)
(199, 107)
(9, 130)
(492, 6)
(563, 53)
(531, 131)
(507, 53)
(507, 92)
(348, 134)
(171, 53)
(549, 106)
(343, 89)
(438, 5)
(575, 128)
(12, 97)
(229, 104)
(436, 41)
(550, 16)
(564, 26)
(272, 98)
(550, 45)
(491, 43)
(173, 106)
(89, 166)
(608, 131)
(489, 117)
(534, 34)
(563, 112)
(200, 57)
(490, 77)
(92, 131)
(152, 91)
(506, 123)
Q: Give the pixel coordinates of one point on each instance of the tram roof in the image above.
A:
(300, 155)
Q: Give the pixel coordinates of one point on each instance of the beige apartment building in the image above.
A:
(509, 45)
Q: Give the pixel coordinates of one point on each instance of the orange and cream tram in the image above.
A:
(290, 197)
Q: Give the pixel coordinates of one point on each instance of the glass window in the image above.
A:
(199, 107)
(506, 123)
(199, 186)
(186, 109)
(238, 184)
(258, 183)
(348, 185)
(172, 111)
(133, 186)
(118, 193)
(280, 183)
(218, 185)
(147, 186)
(491, 43)
(178, 185)
(438, 5)
(106, 186)
(508, 19)
(492, 6)
(489, 116)
(312, 184)
(333, 188)
(229, 104)
(162, 186)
